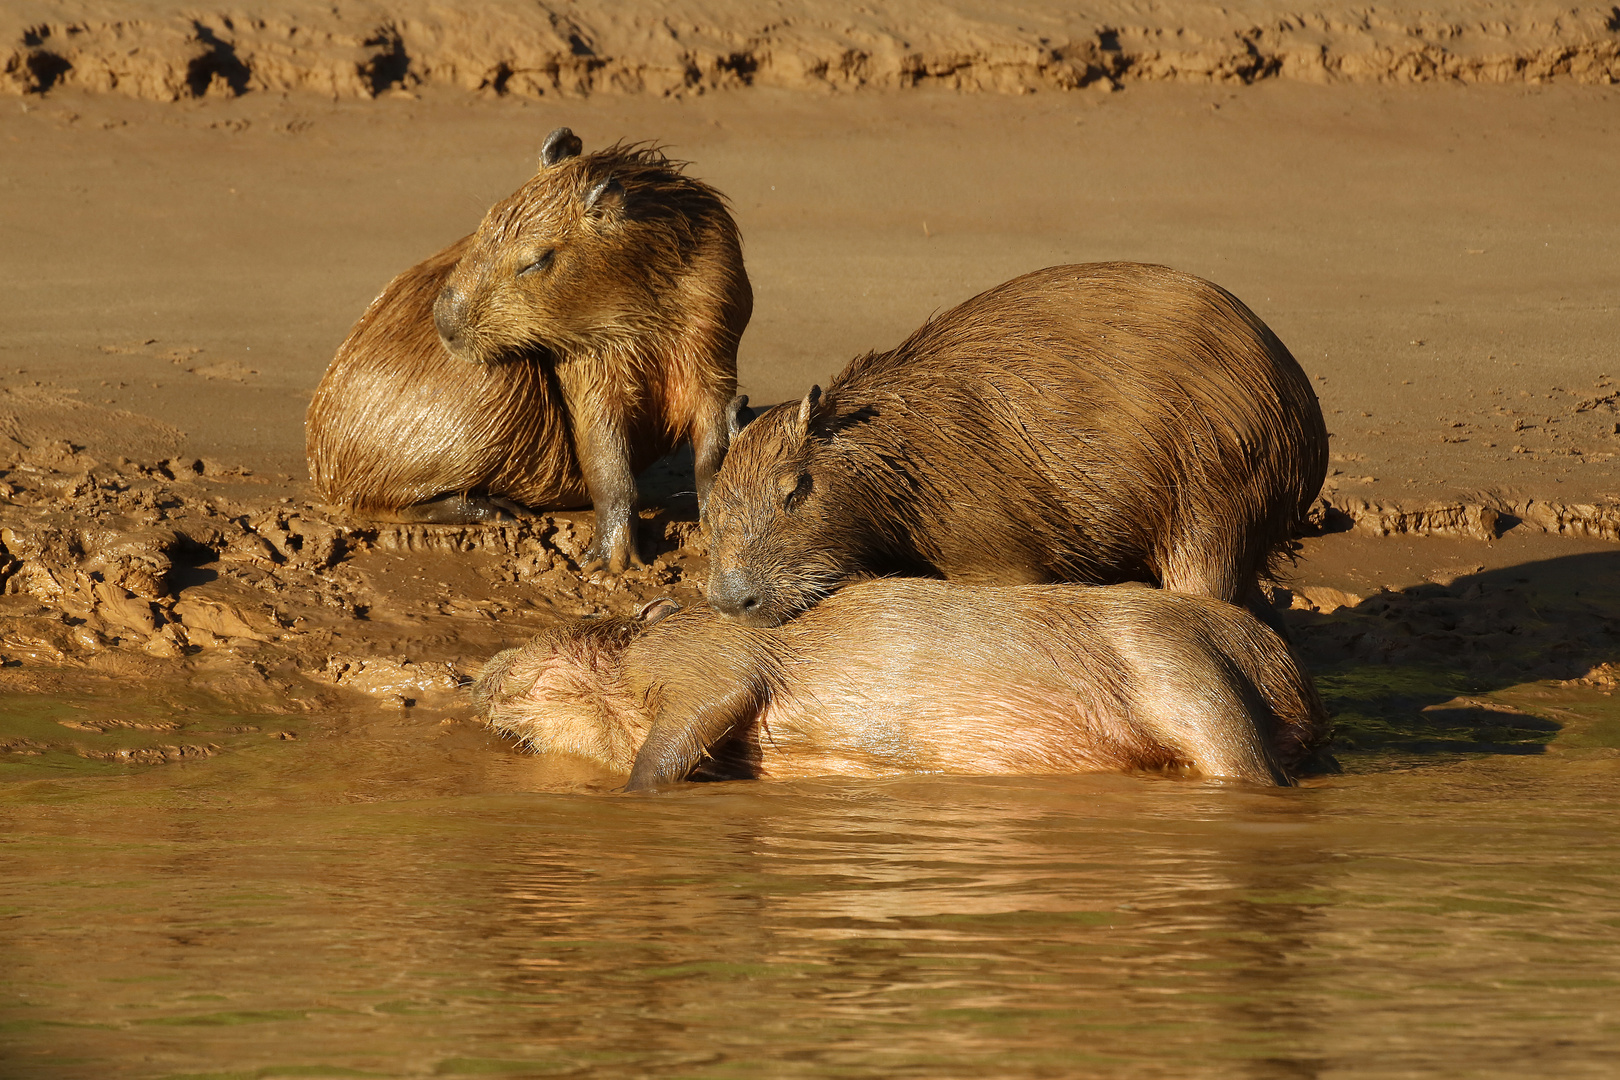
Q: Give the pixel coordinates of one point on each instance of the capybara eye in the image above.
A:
(539, 264)
(800, 490)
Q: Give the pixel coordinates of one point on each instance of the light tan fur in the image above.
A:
(912, 675)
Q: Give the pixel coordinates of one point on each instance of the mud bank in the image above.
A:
(1485, 519)
(190, 573)
(166, 52)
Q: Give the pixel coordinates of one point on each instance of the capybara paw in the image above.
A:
(621, 558)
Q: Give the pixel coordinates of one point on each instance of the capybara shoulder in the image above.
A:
(586, 328)
(1100, 423)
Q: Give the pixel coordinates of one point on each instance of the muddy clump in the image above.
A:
(186, 571)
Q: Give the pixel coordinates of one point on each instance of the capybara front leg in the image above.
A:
(686, 732)
(1208, 564)
(712, 441)
(604, 458)
(710, 438)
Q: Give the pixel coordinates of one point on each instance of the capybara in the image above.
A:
(1100, 423)
(907, 675)
(588, 327)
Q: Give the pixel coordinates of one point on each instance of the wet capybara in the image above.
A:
(588, 327)
(1100, 423)
(911, 675)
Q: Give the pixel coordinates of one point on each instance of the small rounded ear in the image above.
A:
(605, 197)
(807, 408)
(738, 416)
(560, 145)
(656, 611)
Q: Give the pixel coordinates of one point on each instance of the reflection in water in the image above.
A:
(979, 925)
(390, 901)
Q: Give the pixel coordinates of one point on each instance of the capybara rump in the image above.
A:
(1101, 423)
(587, 327)
(918, 676)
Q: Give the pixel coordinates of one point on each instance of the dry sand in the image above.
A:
(1421, 202)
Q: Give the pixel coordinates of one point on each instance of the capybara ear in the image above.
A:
(560, 145)
(738, 416)
(656, 611)
(606, 197)
(807, 409)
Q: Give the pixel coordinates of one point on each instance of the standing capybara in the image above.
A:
(1100, 423)
(587, 327)
(910, 675)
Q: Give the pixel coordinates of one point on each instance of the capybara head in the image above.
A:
(783, 533)
(560, 693)
(584, 255)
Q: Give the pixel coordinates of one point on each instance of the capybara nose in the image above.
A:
(731, 593)
(447, 314)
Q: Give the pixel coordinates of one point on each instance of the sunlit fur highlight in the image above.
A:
(556, 387)
(911, 675)
(567, 673)
(1099, 423)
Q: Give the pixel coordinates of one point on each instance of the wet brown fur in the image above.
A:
(911, 675)
(1099, 423)
(554, 387)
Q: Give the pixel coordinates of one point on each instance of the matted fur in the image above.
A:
(911, 675)
(552, 387)
(1100, 423)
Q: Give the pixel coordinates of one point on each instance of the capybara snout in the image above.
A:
(733, 592)
(449, 318)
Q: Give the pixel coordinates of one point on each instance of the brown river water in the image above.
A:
(393, 893)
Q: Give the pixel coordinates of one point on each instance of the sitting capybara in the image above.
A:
(911, 675)
(1101, 423)
(587, 327)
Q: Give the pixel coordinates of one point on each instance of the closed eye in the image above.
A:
(797, 495)
(542, 263)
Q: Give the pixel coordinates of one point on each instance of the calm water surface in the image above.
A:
(394, 897)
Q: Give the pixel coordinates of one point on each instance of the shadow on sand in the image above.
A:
(1399, 670)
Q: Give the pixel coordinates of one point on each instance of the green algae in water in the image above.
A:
(1377, 707)
(54, 737)
(1589, 716)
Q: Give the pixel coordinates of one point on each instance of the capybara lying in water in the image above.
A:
(587, 327)
(1100, 423)
(911, 675)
